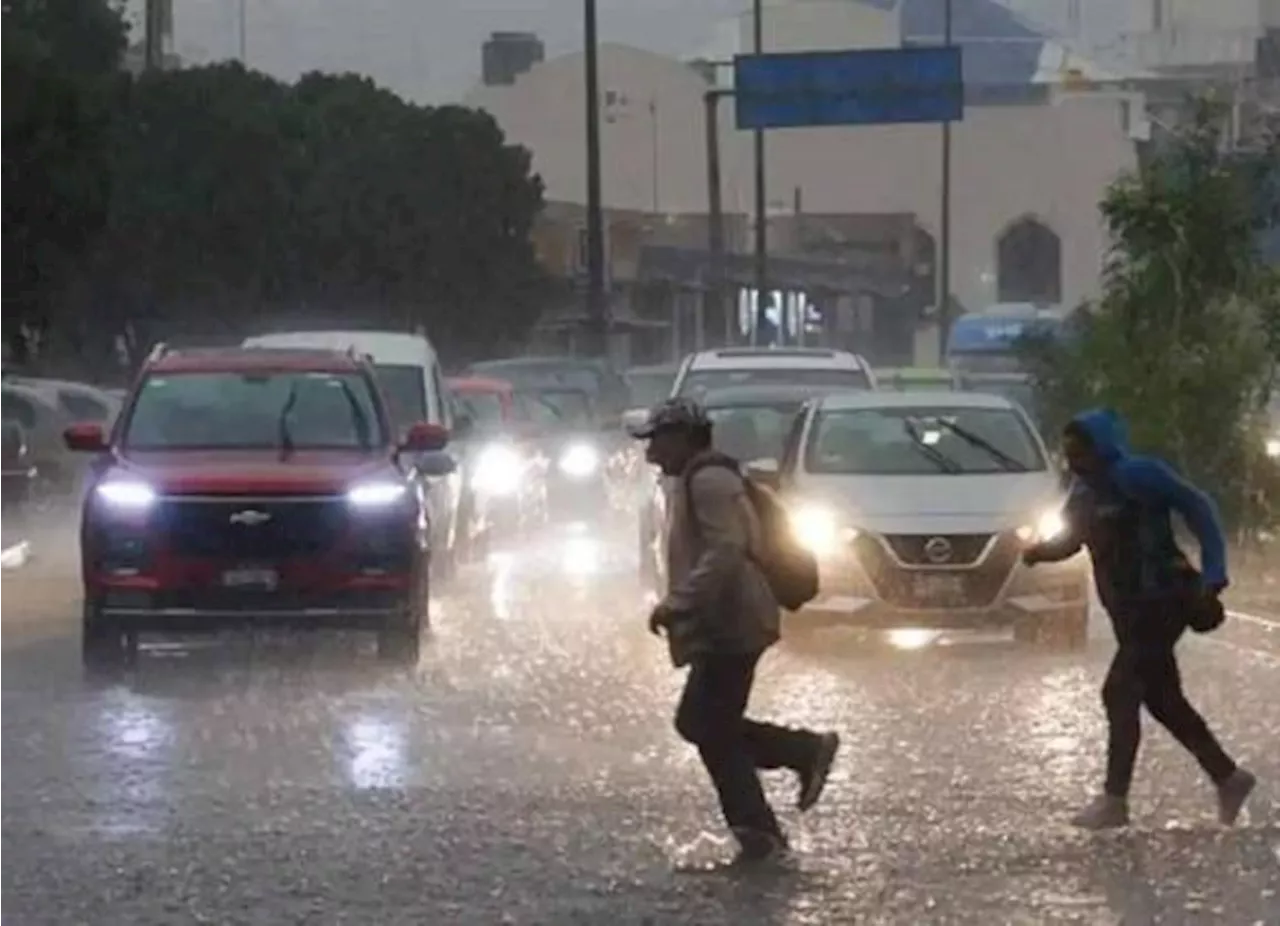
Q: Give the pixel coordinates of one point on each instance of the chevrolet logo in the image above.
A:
(250, 518)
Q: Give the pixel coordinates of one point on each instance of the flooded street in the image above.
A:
(526, 771)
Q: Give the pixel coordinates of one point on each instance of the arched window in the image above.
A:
(1029, 263)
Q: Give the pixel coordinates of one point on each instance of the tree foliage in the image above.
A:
(1185, 339)
(59, 69)
(212, 201)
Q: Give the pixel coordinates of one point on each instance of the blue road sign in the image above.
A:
(790, 90)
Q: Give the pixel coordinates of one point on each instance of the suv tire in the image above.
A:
(105, 646)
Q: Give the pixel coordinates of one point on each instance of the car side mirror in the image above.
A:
(766, 471)
(435, 463)
(424, 437)
(87, 437)
(634, 418)
(13, 441)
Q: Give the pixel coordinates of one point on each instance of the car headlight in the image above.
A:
(127, 494)
(376, 494)
(1048, 526)
(814, 526)
(497, 471)
(1273, 447)
(579, 460)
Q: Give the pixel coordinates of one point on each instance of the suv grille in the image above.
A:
(927, 587)
(961, 549)
(252, 529)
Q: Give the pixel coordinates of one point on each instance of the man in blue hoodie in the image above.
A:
(1120, 507)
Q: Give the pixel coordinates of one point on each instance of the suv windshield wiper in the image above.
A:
(358, 417)
(943, 462)
(1007, 462)
(286, 439)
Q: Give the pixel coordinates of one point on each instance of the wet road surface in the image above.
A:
(526, 771)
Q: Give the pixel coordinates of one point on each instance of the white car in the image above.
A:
(818, 367)
(918, 505)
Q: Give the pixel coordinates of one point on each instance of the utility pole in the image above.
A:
(714, 303)
(762, 229)
(597, 323)
(243, 14)
(944, 219)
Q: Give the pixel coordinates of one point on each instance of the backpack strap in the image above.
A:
(714, 458)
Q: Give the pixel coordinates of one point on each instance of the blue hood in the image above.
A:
(1107, 430)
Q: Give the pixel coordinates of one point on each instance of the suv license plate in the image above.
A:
(250, 578)
(935, 587)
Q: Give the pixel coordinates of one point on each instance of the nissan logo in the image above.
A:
(250, 518)
(937, 550)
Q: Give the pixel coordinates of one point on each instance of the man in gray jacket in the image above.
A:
(720, 616)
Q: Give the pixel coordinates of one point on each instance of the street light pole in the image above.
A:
(243, 13)
(762, 230)
(714, 304)
(596, 320)
(944, 220)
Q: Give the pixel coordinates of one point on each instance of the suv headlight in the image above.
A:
(1273, 447)
(126, 494)
(376, 494)
(497, 471)
(579, 460)
(1049, 525)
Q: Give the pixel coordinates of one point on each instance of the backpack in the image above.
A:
(790, 569)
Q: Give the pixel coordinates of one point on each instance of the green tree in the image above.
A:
(60, 65)
(1183, 340)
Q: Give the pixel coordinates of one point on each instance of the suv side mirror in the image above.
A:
(766, 471)
(86, 437)
(425, 437)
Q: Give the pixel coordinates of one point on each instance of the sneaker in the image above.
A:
(1232, 794)
(1104, 812)
(814, 778)
(757, 846)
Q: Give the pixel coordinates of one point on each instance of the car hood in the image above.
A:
(221, 472)
(942, 504)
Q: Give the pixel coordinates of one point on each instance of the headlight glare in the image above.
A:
(376, 494)
(1273, 447)
(814, 526)
(579, 460)
(124, 493)
(497, 471)
(1048, 526)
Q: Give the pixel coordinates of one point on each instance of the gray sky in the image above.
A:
(425, 49)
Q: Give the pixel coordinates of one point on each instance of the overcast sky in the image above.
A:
(429, 50)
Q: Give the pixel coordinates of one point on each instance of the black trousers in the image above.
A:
(1145, 672)
(711, 717)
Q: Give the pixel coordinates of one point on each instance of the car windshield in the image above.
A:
(235, 410)
(483, 408)
(699, 382)
(537, 375)
(554, 408)
(752, 432)
(648, 389)
(404, 389)
(921, 442)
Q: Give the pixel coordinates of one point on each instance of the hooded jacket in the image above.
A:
(1123, 515)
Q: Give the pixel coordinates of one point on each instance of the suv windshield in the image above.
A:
(567, 408)
(921, 442)
(699, 382)
(236, 410)
(404, 389)
(483, 408)
(752, 432)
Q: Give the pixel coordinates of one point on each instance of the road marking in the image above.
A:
(1270, 623)
(15, 556)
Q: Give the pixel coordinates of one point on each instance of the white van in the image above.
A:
(407, 366)
(413, 386)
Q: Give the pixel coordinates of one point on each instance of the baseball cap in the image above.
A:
(673, 414)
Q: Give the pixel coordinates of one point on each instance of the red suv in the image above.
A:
(256, 485)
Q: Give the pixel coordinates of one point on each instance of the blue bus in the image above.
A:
(988, 342)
